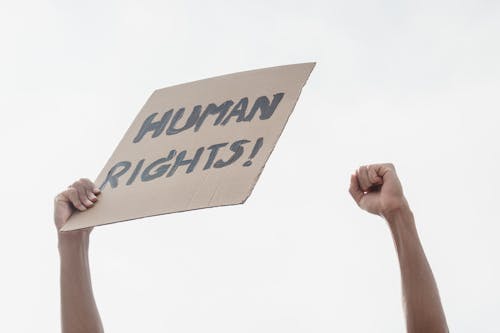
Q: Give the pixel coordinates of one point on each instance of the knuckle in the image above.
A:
(58, 197)
(85, 181)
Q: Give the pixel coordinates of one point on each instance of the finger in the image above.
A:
(87, 183)
(72, 195)
(363, 179)
(90, 187)
(355, 190)
(383, 168)
(91, 196)
(82, 193)
(373, 176)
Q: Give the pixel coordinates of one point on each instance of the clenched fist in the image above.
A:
(81, 195)
(376, 189)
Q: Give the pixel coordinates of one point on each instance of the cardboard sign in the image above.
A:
(196, 145)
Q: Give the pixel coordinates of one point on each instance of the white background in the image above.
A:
(411, 82)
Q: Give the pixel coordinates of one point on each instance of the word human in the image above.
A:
(167, 166)
(223, 113)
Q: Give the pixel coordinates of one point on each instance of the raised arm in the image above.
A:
(377, 189)
(79, 312)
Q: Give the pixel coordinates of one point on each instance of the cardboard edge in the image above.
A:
(66, 228)
(313, 64)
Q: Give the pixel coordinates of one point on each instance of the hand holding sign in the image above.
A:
(80, 195)
(200, 144)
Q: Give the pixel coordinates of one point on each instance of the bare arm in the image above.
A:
(376, 189)
(79, 312)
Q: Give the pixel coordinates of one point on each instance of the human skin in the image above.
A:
(376, 188)
(79, 312)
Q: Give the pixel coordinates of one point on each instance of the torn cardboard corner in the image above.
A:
(196, 145)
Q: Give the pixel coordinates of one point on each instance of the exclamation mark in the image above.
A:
(255, 150)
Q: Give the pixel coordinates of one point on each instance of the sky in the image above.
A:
(415, 83)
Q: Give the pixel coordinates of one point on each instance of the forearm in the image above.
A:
(422, 305)
(78, 308)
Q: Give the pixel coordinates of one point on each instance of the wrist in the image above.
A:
(403, 229)
(399, 216)
(396, 209)
(73, 240)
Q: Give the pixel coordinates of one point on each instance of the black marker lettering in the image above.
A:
(180, 161)
(112, 178)
(255, 150)
(214, 149)
(158, 126)
(213, 109)
(262, 104)
(161, 170)
(237, 148)
(193, 117)
(138, 168)
(237, 111)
